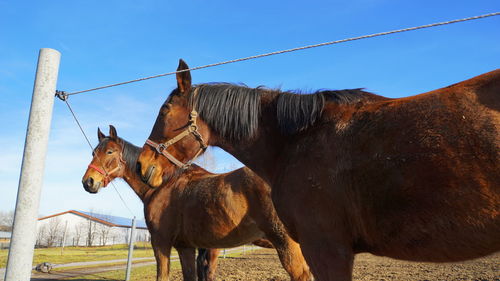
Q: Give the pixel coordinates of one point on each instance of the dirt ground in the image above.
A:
(264, 265)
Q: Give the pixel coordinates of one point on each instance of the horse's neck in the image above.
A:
(135, 182)
(262, 152)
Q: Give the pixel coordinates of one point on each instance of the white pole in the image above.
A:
(64, 237)
(22, 245)
(130, 250)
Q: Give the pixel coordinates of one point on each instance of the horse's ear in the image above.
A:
(100, 135)
(183, 78)
(112, 132)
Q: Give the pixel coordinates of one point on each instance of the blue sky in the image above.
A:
(105, 42)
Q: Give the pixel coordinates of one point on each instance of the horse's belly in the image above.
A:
(222, 235)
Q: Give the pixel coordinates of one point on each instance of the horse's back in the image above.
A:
(416, 178)
(441, 156)
(485, 88)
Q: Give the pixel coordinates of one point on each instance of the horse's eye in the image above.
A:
(164, 110)
(109, 152)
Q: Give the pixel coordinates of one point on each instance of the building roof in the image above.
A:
(109, 220)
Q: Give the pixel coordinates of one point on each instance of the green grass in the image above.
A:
(82, 254)
(146, 273)
(99, 265)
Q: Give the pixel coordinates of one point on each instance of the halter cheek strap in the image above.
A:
(192, 129)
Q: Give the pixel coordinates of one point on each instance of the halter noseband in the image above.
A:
(104, 172)
(192, 128)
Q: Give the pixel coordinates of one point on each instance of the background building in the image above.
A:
(4, 239)
(79, 228)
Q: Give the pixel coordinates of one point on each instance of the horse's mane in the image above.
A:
(233, 110)
(130, 154)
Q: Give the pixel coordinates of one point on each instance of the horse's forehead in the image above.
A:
(170, 97)
(105, 143)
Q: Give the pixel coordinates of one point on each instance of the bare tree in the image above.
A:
(6, 220)
(104, 233)
(91, 232)
(78, 233)
(113, 236)
(40, 236)
(126, 232)
(53, 232)
(207, 160)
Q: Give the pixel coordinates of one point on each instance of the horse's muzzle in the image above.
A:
(90, 186)
(149, 174)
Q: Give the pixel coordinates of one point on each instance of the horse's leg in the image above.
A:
(328, 260)
(264, 243)
(291, 257)
(213, 255)
(162, 255)
(202, 264)
(327, 249)
(288, 250)
(188, 257)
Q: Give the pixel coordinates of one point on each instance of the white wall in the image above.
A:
(80, 230)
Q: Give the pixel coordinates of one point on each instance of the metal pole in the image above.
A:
(64, 237)
(22, 245)
(130, 250)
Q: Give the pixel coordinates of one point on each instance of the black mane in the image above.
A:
(233, 110)
(296, 112)
(130, 152)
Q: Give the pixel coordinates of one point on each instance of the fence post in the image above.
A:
(22, 244)
(64, 237)
(130, 250)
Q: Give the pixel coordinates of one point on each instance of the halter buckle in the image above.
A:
(193, 114)
(192, 128)
(160, 148)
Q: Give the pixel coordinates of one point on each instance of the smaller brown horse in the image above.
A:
(197, 209)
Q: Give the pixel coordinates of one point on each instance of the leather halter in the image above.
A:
(192, 128)
(106, 173)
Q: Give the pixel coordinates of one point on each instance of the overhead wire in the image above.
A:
(92, 149)
(288, 51)
(64, 95)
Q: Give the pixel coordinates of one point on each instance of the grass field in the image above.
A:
(82, 254)
(143, 273)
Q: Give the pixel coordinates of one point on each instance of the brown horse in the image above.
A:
(197, 209)
(118, 167)
(414, 178)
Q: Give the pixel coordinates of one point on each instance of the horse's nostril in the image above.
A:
(90, 182)
(148, 174)
(138, 168)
